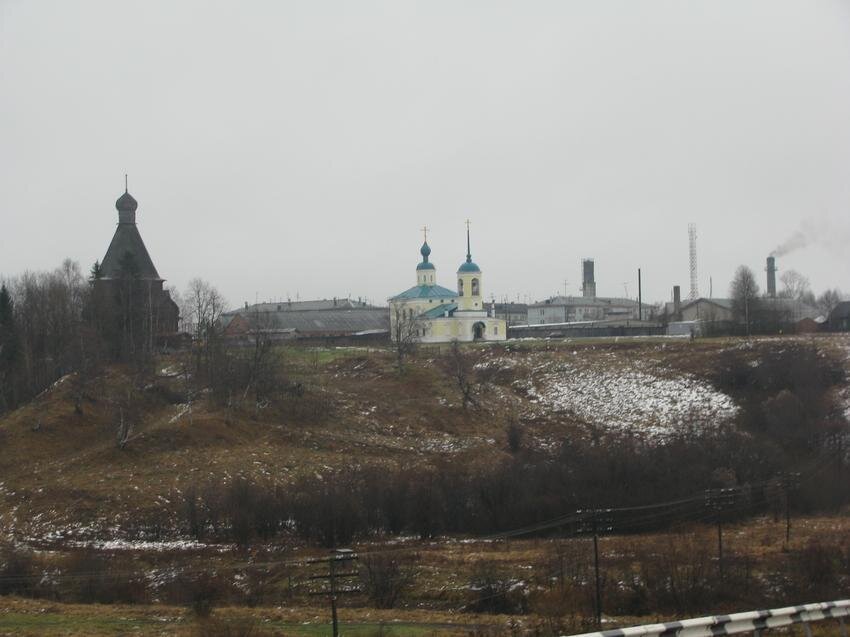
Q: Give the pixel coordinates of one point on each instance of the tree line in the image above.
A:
(755, 313)
(58, 322)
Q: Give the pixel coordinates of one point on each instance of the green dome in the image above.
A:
(469, 266)
(425, 251)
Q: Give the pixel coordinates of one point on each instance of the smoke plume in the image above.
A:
(820, 233)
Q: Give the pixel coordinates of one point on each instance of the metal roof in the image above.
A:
(425, 292)
(575, 301)
(440, 310)
(338, 321)
(317, 304)
(724, 303)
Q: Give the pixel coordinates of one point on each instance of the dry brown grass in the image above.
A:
(58, 468)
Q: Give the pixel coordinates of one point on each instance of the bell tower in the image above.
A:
(469, 287)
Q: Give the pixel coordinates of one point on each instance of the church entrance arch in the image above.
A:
(478, 331)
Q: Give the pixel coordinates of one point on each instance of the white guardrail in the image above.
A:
(755, 622)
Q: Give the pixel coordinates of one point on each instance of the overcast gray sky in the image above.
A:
(283, 148)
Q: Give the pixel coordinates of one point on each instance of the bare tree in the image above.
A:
(744, 292)
(795, 286)
(459, 365)
(40, 330)
(406, 333)
(263, 364)
(827, 301)
(202, 307)
(177, 297)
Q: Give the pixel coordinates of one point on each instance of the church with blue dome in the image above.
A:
(431, 313)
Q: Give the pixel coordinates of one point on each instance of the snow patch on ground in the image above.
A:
(653, 402)
(182, 411)
(446, 444)
(146, 545)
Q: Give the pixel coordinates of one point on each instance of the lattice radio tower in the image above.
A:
(692, 247)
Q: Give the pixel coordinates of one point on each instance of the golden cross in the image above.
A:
(425, 233)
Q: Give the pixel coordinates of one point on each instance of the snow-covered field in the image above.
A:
(640, 398)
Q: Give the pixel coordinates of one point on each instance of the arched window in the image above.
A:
(460, 287)
(474, 287)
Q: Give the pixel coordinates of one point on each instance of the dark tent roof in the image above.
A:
(128, 240)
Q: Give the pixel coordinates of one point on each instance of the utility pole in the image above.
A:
(720, 500)
(596, 572)
(337, 558)
(789, 483)
(640, 299)
(596, 525)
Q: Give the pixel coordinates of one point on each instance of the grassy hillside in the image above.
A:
(63, 473)
(88, 526)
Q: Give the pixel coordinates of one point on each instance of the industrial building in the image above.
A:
(587, 307)
(717, 315)
(324, 318)
(512, 313)
(839, 318)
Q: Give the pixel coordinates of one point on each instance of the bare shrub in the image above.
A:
(817, 570)
(327, 510)
(260, 586)
(18, 573)
(458, 364)
(784, 413)
(678, 572)
(90, 578)
(495, 591)
(200, 592)
(385, 578)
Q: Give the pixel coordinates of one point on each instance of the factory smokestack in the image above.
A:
(677, 303)
(771, 276)
(588, 282)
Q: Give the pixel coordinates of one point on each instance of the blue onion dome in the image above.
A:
(425, 251)
(468, 266)
(126, 203)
